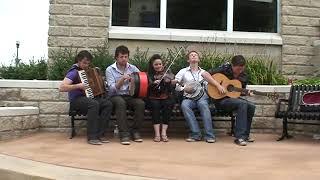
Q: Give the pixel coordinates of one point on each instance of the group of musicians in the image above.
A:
(191, 81)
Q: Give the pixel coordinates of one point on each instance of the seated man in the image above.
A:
(98, 109)
(118, 77)
(194, 74)
(245, 109)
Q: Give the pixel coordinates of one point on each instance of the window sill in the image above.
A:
(194, 35)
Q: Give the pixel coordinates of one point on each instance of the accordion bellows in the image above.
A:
(93, 81)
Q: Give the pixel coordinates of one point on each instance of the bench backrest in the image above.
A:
(296, 93)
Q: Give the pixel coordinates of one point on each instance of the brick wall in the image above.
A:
(78, 23)
(300, 22)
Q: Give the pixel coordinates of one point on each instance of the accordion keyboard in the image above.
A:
(84, 80)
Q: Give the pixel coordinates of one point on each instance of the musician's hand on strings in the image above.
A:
(221, 89)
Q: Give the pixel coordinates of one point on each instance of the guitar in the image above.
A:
(233, 88)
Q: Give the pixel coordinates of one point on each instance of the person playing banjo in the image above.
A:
(191, 80)
(118, 77)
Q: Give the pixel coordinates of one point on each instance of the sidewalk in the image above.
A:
(297, 158)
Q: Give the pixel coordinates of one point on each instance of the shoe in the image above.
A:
(136, 137)
(211, 140)
(104, 140)
(94, 142)
(157, 139)
(191, 139)
(125, 141)
(240, 142)
(250, 139)
(164, 138)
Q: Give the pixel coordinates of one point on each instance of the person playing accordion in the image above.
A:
(98, 109)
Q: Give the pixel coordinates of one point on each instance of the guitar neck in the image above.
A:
(246, 91)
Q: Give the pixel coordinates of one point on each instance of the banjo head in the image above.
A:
(197, 90)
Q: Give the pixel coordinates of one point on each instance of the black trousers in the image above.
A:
(120, 104)
(98, 111)
(161, 107)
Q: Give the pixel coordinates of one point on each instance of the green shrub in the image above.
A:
(261, 69)
(310, 81)
(33, 70)
(102, 57)
(140, 59)
(60, 61)
(179, 56)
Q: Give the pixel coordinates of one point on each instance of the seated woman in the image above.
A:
(159, 97)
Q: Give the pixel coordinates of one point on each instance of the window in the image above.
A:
(247, 15)
(226, 21)
(200, 14)
(136, 13)
(255, 15)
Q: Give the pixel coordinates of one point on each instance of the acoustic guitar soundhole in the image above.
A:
(230, 88)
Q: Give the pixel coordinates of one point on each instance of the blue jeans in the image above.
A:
(187, 107)
(245, 112)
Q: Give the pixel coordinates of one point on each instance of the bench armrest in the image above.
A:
(281, 106)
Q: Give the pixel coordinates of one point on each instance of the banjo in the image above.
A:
(197, 90)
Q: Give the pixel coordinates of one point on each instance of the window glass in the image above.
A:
(136, 13)
(255, 15)
(197, 14)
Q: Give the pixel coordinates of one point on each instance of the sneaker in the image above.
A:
(104, 140)
(211, 140)
(137, 137)
(125, 141)
(250, 139)
(191, 139)
(240, 142)
(94, 142)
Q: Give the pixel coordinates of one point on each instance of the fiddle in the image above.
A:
(162, 83)
(163, 76)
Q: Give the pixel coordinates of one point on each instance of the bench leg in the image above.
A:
(233, 119)
(73, 131)
(284, 130)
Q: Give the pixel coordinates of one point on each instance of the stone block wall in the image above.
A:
(18, 121)
(54, 106)
(85, 24)
(300, 28)
(78, 23)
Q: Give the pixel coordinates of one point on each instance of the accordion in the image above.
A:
(92, 79)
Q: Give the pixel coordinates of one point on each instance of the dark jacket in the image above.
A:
(226, 69)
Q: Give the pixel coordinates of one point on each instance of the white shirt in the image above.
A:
(186, 75)
(113, 75)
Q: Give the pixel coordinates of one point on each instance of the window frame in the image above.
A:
(192, 35)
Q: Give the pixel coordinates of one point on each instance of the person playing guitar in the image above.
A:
(244, 109)
(191, 80)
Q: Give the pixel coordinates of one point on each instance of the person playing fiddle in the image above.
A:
(159, 98)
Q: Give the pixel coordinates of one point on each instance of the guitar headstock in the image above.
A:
(273, 95)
